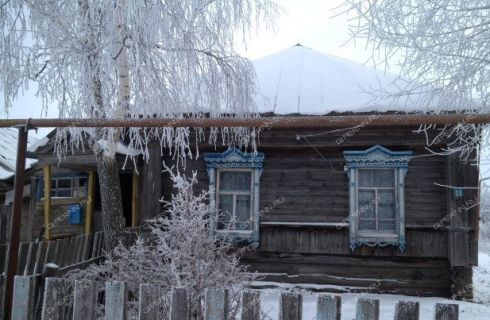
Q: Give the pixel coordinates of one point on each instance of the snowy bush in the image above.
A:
(183, 252)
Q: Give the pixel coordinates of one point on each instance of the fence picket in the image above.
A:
(55, 297)
(31, 259)
(446, 311)
(407, 310)
(41, 257)
(84, 300)
(23, 299)
(21, 262)
(179, 304)
(367, 309)
(116, 294)
(328, 307)
(250, 305)
(290, 306)
(216, 304)
(2, 297)
(150, 302)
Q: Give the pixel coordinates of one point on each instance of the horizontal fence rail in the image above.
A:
(63, 300)
(340, 121)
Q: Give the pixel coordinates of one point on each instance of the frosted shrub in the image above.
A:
(184, 252)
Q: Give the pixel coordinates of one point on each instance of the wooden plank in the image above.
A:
(328, 307)
(2, 297)
(116, 300)
(84, 300)
(407, 310)
(179, 304)
(447, 311)
(134, 199)
(150, 302)
(41, 257)
(23, 300)
(54, 305)
(216, 304)
(81, 248)
(22, 260)
(87, 247)
(290, 306)
(71, 254)
(32, 209)
(50, 271)
(47, 201)
(89, 211)
(31, 258)
(367, 309)
(4, 254)
(251, 305)
(50, 252)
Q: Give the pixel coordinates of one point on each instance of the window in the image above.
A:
(377, 196)
(65, 187)
(234, 185)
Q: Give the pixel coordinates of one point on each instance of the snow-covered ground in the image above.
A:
(468, 310)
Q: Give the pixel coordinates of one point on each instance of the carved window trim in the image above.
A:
(377, 157)
(234, 159)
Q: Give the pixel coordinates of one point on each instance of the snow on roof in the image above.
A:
(8, 152)
(302, 80)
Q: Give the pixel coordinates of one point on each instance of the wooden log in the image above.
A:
(55, 299)
(367, 309)
(116, 300)
(290, 306)
(150, 302)
(23, 301)
(407, 310)
(251, 305)
(328, 307)
(446, 311)
(179, 304)
(84, 300)
(216, 304)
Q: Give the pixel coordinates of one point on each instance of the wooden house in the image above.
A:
(360, 209)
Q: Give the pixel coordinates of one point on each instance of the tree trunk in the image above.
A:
(110, 194)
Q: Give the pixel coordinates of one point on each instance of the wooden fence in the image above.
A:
(63, 255)
(63, 301)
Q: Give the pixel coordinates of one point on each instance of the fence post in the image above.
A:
(84, 300)
(447, 311)
(216, 304)
(250, 305)
(328, 307)
(55, 298)
(179, 304)
(407, 310)
(367, 309)
(23, 301)
(150, 302)
(116, 295)
(290, 306)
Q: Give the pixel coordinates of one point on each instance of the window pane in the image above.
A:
(235, 181)
(63, 193)
(386, 225)
(366, 178)
(384, 178)
(243, 212)
(225, 210)
(367, 204)
(64, 183)
(367, 225)
(386, 204)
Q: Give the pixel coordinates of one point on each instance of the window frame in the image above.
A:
(234, 159)
(234, 194)
(377, 157)
(55, 189)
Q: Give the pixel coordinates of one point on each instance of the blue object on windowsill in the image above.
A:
(76, 214)
(458, 192)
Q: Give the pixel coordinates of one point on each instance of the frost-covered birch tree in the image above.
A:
(131, 59)
(443, 50)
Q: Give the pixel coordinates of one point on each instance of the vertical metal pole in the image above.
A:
(16, 216)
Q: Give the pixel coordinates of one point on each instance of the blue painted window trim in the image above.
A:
(236, 159)
(382, 158)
